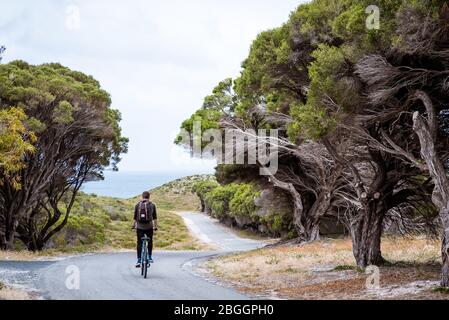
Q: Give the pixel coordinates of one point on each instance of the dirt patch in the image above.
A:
(326, 270)
(9, 293)
(26, 256)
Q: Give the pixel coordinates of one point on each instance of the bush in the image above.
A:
(84, 230)
(242, 202)
(203, 187)
(219, 198)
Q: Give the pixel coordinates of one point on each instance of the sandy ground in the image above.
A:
(8, 293)
(326, 270)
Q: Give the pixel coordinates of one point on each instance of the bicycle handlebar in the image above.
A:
(134, 228)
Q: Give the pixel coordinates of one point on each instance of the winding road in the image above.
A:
(113, 276)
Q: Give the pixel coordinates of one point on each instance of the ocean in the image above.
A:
(127, 185)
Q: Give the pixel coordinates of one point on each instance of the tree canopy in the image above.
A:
(362, 113)
(73, 134)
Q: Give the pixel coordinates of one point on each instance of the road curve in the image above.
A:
(113, 276)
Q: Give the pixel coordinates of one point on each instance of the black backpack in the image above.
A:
(145, 212)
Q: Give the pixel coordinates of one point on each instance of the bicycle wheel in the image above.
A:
(146, 269)
(145, 261)
(143, 258)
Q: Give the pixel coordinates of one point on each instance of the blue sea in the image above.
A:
(130, 184)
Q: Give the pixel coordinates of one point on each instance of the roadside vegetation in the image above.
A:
(326, 270)
(243, 205)
(102, 224)
(58, 131)
(362, 116)
(8, 293)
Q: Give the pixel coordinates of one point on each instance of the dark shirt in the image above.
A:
(152, 209)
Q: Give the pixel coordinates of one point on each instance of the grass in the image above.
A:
(249, 234)
(326, 270)
(168, 200)
(347, 268)
(441, 290)
(7, 293)
(21, 255)
(111, 224)
(103, 224)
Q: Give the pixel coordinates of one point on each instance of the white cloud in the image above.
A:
(158, 59)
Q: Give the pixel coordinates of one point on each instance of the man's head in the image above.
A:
(146, 195)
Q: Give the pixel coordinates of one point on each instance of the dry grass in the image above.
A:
(168, 200)
(25, 255)
(248, 234)
(326, 270)
(8, 293)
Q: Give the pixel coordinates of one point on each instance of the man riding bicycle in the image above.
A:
(145, 222)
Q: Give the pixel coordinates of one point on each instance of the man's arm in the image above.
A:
(135, 218)
(155, 217)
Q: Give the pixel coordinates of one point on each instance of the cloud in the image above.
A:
(158, 59)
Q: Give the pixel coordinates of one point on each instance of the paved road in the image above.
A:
(211, 231)
(113, 276)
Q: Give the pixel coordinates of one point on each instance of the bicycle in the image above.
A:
(145, 263)
(144, 256)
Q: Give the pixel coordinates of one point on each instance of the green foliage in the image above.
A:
(344, 268)
(222, 98)
(337, 29)
(222, 101)
(119, 143)
(310, 121)
(237, 200)
(63, 113)
(203, 187)
(76, 135)
(231, 199)
(278, 222)
(228, 173)
(328, 96)
(35, 125)
(270, 49)
(304, 74)
(207, 118)
(219, 199)
(442, 290)
(52, 92)
(97, 222)
(315, 18)
(242, 202)
(2, 50)
(15, 142)
(178, 195)
(85, 231)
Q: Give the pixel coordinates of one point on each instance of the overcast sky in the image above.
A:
(157, 59)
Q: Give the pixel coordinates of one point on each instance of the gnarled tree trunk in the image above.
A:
(312, 219)
(366, 225)
(426, 129)
(307, 232)
(366, 234)
(445, 249)
(203, 205)
(36, 237)
(13, 210)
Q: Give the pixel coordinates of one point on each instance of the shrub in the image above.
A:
(219, 198)
(203, 187)
(242, 202)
